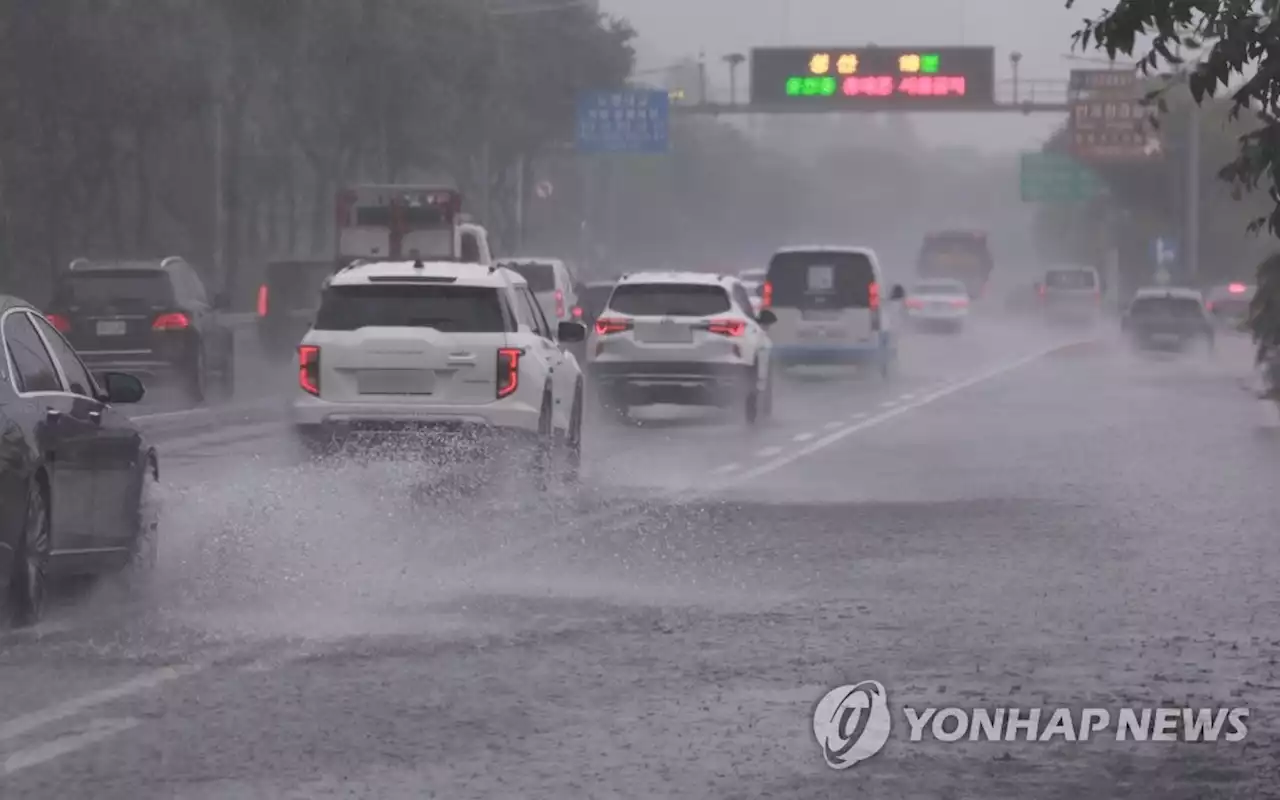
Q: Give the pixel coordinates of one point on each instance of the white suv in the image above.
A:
(552, 285)
(686, 338)
(438, 346)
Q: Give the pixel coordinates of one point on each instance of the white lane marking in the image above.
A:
(827, 441)
(907, 397)
(768, 452)
(802, 437)
(831, 426)
(726, 469)
(36, 755)
(859, 415)
(889, 404)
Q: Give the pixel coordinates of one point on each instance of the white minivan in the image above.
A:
(830, 308)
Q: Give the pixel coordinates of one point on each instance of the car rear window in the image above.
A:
(451, 309)
(540, 277)
(595, 299)
(1070, 279)
(122, 288)
(1178, 307)
(295, 286)
(941, 287)
(669, 300)
(821, 280)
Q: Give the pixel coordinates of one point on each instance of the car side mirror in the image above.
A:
(898, 292)
(571, 332)
(121, 387)
(766, 317)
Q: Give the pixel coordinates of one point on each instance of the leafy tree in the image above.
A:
(1237, 49)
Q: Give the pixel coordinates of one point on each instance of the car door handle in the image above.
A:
(52, 414)
(462, 358)
(96, 416)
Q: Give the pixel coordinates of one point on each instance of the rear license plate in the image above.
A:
(819, 316)
(666, 333)
(1166, 338)
(112, 327)
(395, 381)
(820, 333)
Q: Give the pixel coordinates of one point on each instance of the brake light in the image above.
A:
(913, 302)
(171, 322)
(262, 300)
(559, 304)
(577, 312)
(1208, 306)
(960, 302)
(508, 371)
(873, 296)
(60, 322)
(606, 326)
(766, 295)
(727, 327)
(1237, 288)
(1040, 289)
(309, 369)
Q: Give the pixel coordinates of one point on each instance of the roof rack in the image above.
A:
(171, 260)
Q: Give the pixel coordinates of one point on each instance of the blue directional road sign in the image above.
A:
(625, 121)
(1164, 250)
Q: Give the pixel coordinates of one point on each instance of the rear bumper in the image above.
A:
(320, 417)
(676, 382)
(833, 354)
(136, 362)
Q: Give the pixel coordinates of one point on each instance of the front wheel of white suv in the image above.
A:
(571, 445)
(755, 405)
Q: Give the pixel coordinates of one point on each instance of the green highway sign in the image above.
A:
(1057, 178)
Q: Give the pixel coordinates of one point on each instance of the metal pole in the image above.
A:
(519, 237)
(1193, 193)
(219, 192)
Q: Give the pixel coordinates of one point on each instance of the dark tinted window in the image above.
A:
(594, 299)
(122, 289)
(410, 217)
(78, 379)
(669, 300)
(295, 286)
(1176, 307)
(31, 361)
(540, 277)
(452, 309)
(821, 280)
(1070, 279)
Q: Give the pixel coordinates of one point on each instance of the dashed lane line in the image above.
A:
(802, 437)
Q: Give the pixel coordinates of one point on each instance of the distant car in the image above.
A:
(552, 285)
(592, 299)
(753, 280)
(1229, 305)
(683, 338)
(1167, 319)
(830, 306)
(76, 477)
(1071, 295)
(150, 318)
(938, 305)
(406, 348)
(287, 302)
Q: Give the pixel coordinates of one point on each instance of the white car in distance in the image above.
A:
(682, 338)
(439, 348)
(938, 304)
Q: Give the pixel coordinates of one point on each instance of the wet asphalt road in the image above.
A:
(1001, 524)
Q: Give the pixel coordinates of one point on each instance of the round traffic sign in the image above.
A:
(544, 189)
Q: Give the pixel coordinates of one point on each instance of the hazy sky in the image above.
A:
(1039, 29)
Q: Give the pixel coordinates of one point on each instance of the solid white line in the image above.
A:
(859, 415)
(768, 452)
(827, 441)
(907, 397)
(802, 437)
(98, 730)
(889, 404)
(831, 426)
(169, 414)
(726, 469)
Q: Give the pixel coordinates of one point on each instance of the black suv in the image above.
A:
(287, 302)
(147, 317)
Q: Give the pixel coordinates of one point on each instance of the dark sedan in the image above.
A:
(76, 478)
(1167, 320)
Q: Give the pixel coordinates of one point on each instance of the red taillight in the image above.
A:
(1040, 290)
(873, 296)
(559, 304)
(171, 322)
(1207, 306)
(727, 327)
(262, 300)
(1237, 288)
(508, 371)
(606, 326)
(60, 322)
(913, 302)
(960, 302)
(577, 312)
(766, 295)
(309, 369)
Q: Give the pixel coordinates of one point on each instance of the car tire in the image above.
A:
(227, 376)
(28, 578)
(571, 469)
(754, 400)
(196, 378)
(145, 548)
(766, 407)
(543, 449)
